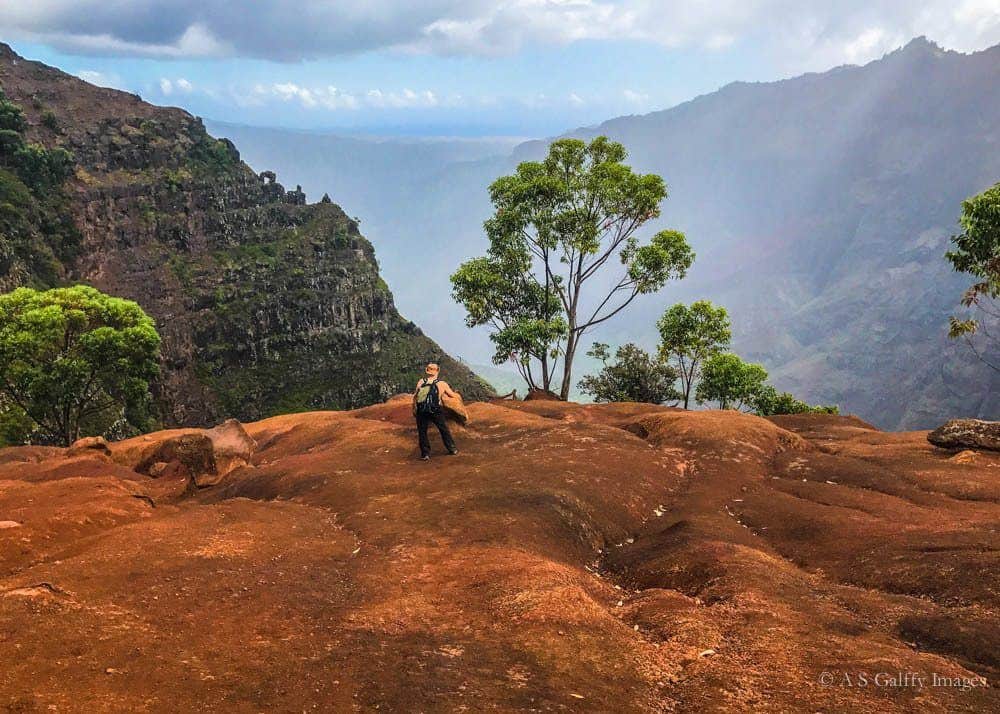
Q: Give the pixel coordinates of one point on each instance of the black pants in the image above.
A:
(424, 421)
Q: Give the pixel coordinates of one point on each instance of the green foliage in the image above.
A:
(15, 426)
(50, 121)
(556, 224)
(691, 334)
(210, 156)
(634, 376)
(42, 169)
(728, 380)
(768, 401)
(11, 116)
(37, 232)
(527, 319)
(976, 251)
(977, 248)
(76, 361)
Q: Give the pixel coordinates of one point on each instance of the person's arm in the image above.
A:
(448, 391)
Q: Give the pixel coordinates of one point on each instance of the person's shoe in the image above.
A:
(453, 452)
(425, 457)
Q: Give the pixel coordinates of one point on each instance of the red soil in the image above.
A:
(575, 558)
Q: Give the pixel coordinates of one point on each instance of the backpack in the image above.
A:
(428, 400)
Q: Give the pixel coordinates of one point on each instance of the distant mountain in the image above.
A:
(264, 303)
(819, 206)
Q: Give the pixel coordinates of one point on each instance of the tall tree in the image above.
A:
(560, 224)
(74, 360)
(689, 335)
(976, 251)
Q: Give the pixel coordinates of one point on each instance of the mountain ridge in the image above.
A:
(265, 303)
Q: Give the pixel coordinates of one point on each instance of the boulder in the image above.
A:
(967, 434)
(193, 452)
(88, 446)
(232, 445)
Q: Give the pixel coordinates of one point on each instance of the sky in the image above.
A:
(474, 68)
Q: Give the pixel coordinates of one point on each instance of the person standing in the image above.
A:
(428, 410)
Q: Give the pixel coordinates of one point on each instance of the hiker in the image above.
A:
(428, 410)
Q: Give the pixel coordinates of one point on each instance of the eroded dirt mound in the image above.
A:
(571, 558)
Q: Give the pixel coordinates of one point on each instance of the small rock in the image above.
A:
(89, 445)
(706, 653)
(9, 524)
(965, 457)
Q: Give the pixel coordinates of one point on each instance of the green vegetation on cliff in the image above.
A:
(37, 235)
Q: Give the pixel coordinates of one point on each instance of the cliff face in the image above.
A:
(264, 303)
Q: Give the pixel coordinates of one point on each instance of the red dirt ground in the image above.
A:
(571, 558)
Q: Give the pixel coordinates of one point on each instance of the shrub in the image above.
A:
(634, 376)
(49, 120)
(770, 402)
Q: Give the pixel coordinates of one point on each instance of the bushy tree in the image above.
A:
(557, 228)
(691, 334)
(768, 401)
(634, 376)
(74, 361)
(728, 380)
(976, 251)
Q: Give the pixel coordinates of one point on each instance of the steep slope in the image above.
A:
(265, 304)
(573, 558)
(820, 208)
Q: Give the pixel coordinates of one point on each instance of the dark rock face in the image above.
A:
(194, 452)
(265, 304)
(967, 434)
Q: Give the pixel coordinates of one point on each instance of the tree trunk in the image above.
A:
(568, 366)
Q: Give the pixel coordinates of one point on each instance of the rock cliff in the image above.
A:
(265, 303)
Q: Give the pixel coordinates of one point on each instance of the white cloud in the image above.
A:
(797, 34)
(333, 98)
(575, 99)
(633, 97)
(405, 99)
(168, 86)
(101, 79)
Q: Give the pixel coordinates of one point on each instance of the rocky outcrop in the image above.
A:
(88, 446)
(967, 434)
(189, 454)
(265, 304)
(202, 456)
